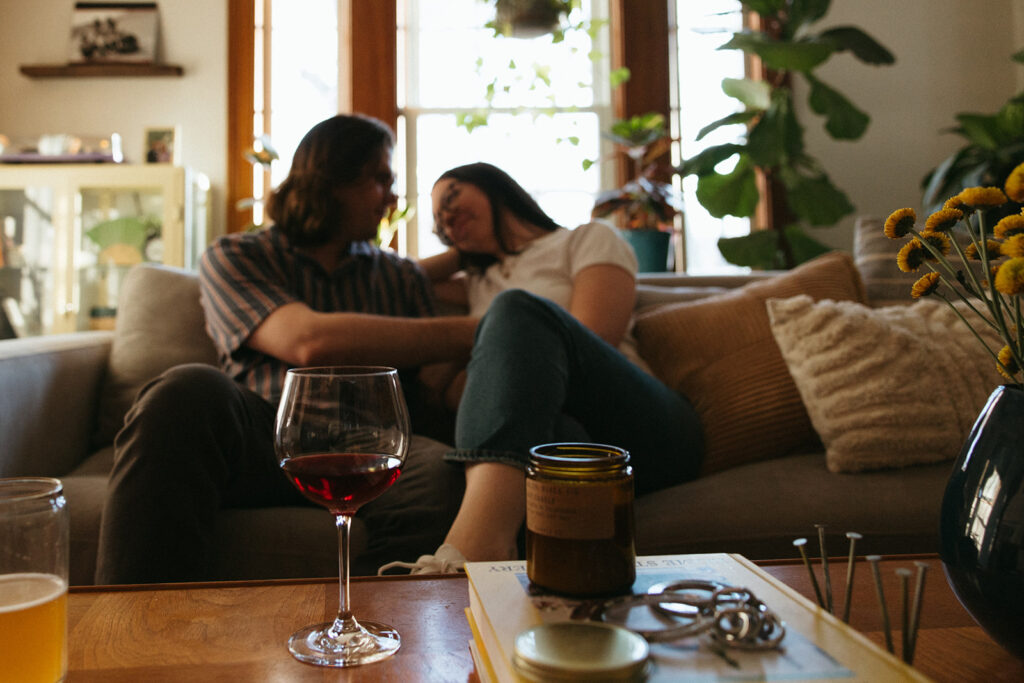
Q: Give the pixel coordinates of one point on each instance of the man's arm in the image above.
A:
(301, 336)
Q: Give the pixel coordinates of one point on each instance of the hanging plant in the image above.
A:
(774, 141)
(530, 18)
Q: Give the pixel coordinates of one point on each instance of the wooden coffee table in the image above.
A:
(237, 631)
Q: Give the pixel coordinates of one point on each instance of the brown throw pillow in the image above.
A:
(721, 354)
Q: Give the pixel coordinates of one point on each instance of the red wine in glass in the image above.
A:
(342, 482)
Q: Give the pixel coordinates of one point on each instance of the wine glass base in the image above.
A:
(372, 642)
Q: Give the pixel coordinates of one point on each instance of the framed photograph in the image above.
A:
(114, 32)
(163, 145)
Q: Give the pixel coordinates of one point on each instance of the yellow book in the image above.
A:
(817, 645)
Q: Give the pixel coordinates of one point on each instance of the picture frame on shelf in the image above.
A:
(163, 145)
(114, 32)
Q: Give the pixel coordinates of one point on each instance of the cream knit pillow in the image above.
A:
(885, 387)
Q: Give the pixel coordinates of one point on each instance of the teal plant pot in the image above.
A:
(650, 247)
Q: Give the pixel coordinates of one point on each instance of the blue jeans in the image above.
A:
(538, 376)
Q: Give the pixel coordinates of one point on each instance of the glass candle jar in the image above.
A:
(579, 519)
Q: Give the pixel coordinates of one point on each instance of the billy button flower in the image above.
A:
(1015, 185)
(955, 203)
(993, 250)
(925, 285)
(899, 223)
(915, 252)
(944, 220)
(981, 197)
(1007, 365)
(1013, 246)
(1010, 278)
(1008, 226)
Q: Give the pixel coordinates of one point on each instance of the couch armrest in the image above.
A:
(48, 403)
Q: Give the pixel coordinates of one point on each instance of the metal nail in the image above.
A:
(915, 618)
(824, 568)
(904, 576)
(800, 543)
(874, 560)
(850, 564)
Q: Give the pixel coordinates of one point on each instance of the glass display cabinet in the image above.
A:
(70, 232)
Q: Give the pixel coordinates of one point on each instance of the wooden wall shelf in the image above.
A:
(99, 70)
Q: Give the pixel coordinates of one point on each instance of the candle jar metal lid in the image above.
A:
(580, 651)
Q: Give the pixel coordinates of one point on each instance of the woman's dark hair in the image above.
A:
(334, 152)
(503, 192)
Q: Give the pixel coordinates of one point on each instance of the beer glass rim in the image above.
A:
(20, 489)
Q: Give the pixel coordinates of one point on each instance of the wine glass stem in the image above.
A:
(345, 621)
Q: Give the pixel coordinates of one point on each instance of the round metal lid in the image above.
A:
(578, 651)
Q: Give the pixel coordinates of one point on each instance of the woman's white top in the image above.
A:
(547, 266)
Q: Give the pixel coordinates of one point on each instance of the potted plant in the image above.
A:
(995, 146)
(530, 18)
(646, 205)
(774, 143)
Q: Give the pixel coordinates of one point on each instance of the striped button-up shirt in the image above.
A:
(244, 277)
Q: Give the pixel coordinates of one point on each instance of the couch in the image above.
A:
(767, 483)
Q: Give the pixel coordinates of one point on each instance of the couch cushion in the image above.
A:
(758, 510)
(720, 353)
(160, 324)
(886, 387)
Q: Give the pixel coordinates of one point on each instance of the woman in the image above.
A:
(551, 360)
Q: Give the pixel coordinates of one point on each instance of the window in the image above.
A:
(539, 129)
(414, 64)
(699, 100)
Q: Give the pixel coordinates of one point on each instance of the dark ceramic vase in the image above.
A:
(982, 523)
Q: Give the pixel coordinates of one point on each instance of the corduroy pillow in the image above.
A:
(721, 354)
(886, 387)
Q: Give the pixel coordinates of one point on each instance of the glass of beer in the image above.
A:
(33, 580)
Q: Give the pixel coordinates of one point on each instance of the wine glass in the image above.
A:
(341, 437)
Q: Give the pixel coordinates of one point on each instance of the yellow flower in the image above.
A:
(1009, 225)
(1013, 247)
(939, 241)
(1007, 365)
(899, 223)
(993, 249)
(911, 255)
(1015, 184)
(925, 285)
(1010, 278)
(954, 203)
(943, 220)
(981, 197)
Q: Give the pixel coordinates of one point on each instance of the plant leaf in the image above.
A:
(1018, 57)
(843, 121)
(759, 249)
(731, 194)
(803, 246)
(801, 55)
(864, 47)
(777, 135)
(980, 129)
(731, 119)
(619, 76)
(803, 12)
(817, 201)
(704, 162)
(753, 94)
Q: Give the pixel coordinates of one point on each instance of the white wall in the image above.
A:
(192, 35)
(952, 56)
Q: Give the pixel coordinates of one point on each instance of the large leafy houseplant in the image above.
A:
(995, 145)
(773, 145)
